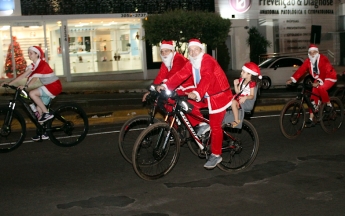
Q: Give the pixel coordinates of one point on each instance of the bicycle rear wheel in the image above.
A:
(156, 151)
(13, 134)
(240, 147)
(130, 131)
(292, 119)
(331, 122)
(69, 125)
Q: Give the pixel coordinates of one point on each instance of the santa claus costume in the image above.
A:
(321, 70)
(51, 83)
(212, 91)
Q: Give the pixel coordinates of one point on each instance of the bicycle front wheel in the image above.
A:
(130, 131)
(331, 122)
(69, 125)
(156, 151)
(13, 130)
(292, 119)
(240, 147)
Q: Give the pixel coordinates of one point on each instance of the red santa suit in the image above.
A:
(177, 63)
(213, 91)
(51, 83)
(323, 73)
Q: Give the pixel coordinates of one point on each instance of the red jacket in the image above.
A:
(43, 70)
(164, 74)
(325, 70)
(213, 85)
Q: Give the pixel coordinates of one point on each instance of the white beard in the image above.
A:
(167, 60)
(196, 61)
(313, 59)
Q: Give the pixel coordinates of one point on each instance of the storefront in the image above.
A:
(75, 46)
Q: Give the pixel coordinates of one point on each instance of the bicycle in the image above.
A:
(293, 116)
(68, 127)
(132, 128)
(156, 150)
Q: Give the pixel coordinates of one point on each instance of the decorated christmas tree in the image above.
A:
(18, 58)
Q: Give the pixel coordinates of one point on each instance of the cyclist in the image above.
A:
(172, 62)
(212, 91)
(40, 69)
(325, 77)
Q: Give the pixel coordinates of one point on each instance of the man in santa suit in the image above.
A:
(325, 77)
(172, 62)
(51, 87)
(212, 91)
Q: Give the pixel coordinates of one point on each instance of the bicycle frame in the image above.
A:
(305, 95)
(22, 96)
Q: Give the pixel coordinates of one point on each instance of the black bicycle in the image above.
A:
(133, 127)
(156, 150)
(68, 127)
(293, 116)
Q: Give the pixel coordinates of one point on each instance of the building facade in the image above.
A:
(102, 39)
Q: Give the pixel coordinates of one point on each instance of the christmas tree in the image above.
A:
(18, 58)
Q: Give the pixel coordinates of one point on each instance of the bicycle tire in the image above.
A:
(331, 122)
(292, 123)
(13, 135)
(150, 162)
(240, 151)
(130, 131)
(69, 126)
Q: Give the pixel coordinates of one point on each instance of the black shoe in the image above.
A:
(37, 137)
(309, 123)
(328, 109)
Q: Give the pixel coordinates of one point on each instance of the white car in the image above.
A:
(276, 70)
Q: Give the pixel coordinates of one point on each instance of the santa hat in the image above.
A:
(167, 45)
(195, 42)
(313, 47)
(38, 50)
(252, 68)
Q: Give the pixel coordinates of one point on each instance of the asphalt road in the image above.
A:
(289, 177)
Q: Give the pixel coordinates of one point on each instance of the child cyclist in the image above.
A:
(40, 69)
(245, 90)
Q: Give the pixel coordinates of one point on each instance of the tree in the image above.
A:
(18, 58)
(181, 25)
(257, 44)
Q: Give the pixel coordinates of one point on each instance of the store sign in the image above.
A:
(6, 7)
(240, 6)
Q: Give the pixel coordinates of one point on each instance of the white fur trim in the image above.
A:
(167, 46)
(313, 48)
(249, 71)
(194, 43)
(293, 79)
(332, 80)
(211, 111)
(36, 51)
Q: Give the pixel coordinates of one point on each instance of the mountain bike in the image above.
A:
(293, 116)
(156, 150)
(132, 128)
(68, 127)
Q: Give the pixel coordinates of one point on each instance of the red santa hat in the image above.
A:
(313, 47)
(252, 68)
(167, 45)
(38, 50)
(195, 42)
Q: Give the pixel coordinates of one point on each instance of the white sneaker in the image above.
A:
(37, 137)
(212, 161)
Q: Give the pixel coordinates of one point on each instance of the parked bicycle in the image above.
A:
(68, 127)
(293, 116)
(157, 149)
